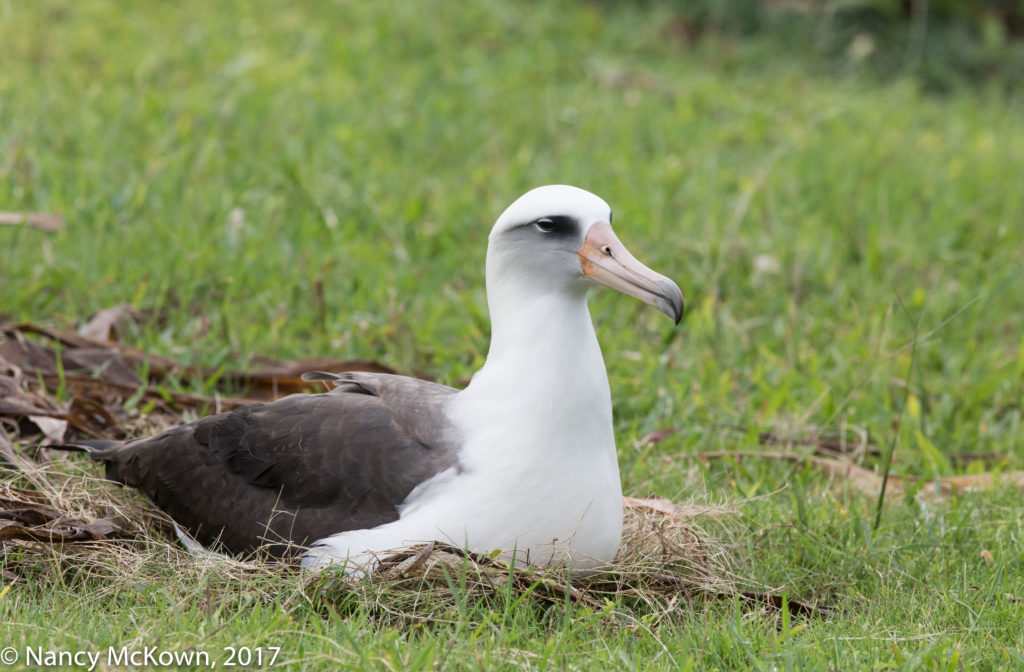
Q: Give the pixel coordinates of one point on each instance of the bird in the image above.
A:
(521, 463)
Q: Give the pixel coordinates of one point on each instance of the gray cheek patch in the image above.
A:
(565, 234)
(562, 228)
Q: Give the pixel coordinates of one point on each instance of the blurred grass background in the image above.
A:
(824, 180)
(944, 45)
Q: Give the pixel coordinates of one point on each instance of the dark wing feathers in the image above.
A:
(296, 470)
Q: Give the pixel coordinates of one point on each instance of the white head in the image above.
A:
(559, 239)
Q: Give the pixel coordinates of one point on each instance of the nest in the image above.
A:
(58, 517)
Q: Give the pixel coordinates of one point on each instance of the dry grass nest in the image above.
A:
(61, 522)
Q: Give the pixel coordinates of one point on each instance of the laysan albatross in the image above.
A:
(521, 461)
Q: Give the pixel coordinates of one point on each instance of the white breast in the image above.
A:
(538, 473)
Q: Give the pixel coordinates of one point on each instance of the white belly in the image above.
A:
(538, 473)
(580, 523)
(547, 491)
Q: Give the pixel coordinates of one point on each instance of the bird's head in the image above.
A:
(560, 238)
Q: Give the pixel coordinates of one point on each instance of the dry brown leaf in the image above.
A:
(113, 395)
(99, 377)
(971, 482)
(275, 379)
(45, 221)
(860, 479)
(103, 325)
(658, 436)
(102, 528)
(66, 531)
(23, 516)
(24, 508)
(105, 364)
(653, 503)
(18, 405)
(52, 428)
(115, 363)
(91, 416)
(157, 365)
(869, 482)
(11, 456)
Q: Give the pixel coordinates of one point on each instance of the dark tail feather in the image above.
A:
(100, 450)
(93, 446)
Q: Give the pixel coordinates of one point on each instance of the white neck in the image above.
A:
(538, 449)
(543, 343)
(544, 382)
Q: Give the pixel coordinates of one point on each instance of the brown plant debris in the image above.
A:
(869, 482)
(97, 378)
(22, 519)
(45, 221)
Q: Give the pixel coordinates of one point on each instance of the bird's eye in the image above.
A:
(545, 225)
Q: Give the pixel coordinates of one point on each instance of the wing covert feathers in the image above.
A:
(287, 473)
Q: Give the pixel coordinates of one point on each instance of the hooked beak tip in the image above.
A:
(605, 260)
(671, 301)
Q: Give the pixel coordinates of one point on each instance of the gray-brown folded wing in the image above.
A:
(296, 470)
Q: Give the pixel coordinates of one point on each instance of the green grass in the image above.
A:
(216, 164)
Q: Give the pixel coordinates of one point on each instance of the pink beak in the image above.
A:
(606, 260)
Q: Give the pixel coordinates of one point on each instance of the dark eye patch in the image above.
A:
(559, 226)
